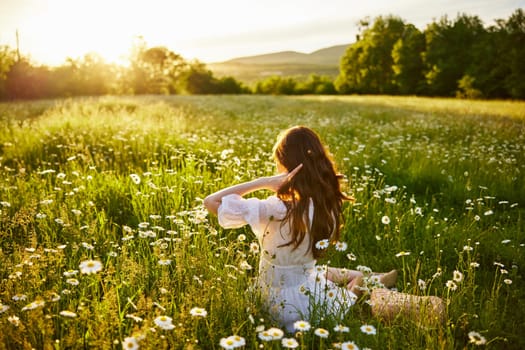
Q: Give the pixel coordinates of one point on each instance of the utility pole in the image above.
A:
(17, 47)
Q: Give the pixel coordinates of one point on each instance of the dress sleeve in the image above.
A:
(236, 211)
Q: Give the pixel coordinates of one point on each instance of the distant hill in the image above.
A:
(285, 63)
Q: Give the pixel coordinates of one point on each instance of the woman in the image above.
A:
(293, 227)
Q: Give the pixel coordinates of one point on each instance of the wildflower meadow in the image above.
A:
(105, 243)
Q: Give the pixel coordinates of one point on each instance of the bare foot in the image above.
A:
(388, 279)
(356, 285)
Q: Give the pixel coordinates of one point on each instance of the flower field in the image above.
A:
(104, 242)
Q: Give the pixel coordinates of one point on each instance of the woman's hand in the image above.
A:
(214, 200)
(275, 182)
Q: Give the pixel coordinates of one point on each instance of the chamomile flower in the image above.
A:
(341, 329)
(341, 246)
(14, 320)
(321, 333)
(34, 305)
(265, 335)
(368, 329)
(476, 338)
(244, 265)
(227, 343)
(254, 248)
(19, 297)
(135, 178)
(164, 262)
(88, 267)
(351, 257)
(451, 285)
(70, 273)
(3, 308)
(67, 313)
(164, 322)
(289, 343)
(232, 342)
(239, 341)
(302, 326)
(73, 281)
(349, 345)
(331, 294)
(275, 333)
(385, 220)
(322, 244)
(403, 253)
(198, 312)
(134, 318)
(130, 343)
(422, 284)
(457, 276)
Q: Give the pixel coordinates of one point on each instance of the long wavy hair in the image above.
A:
(317, 181)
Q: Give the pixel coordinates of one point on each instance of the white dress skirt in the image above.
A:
(290, 283)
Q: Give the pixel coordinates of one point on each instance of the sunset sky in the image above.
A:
(210, 30)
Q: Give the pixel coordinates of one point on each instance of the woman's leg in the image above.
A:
(341, 276)
(354, 280)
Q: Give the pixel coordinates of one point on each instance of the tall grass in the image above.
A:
(439, 190)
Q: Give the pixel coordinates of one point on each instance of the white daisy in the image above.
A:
(135, 178)
(476, 338)
(457, 276)
(198, 312)
(289, 343)
(265, 335)
(69, 314)
(14, 320)
(164, 322)
(322, 244)
(302, 326)
(451, 285)
(349, 345)
(341, 246)
(130, 343)
(321, 333)
(275, 333)
(341, 329)
(88, 267)
(34, 305)
(3, 308)
(368, 329)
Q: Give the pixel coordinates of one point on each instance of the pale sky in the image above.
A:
(210, 30)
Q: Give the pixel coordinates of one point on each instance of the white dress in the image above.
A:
(292, 286)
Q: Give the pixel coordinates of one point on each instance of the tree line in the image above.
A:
(459, 57)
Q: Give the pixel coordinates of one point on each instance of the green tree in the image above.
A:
(276, 85)
(25, 81)
(228, 85)
(197, 79)
(154, 70)
(514, 28)
(489, 68)
(7, 59)
(316, 84)
(449, 52)
(408, 66)
(367, 65)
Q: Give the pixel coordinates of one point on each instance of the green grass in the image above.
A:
(448, 173)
